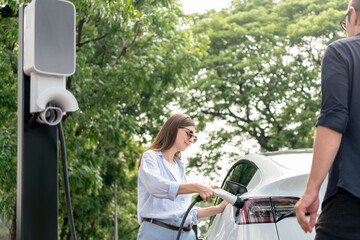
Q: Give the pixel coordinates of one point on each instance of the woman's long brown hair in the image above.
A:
(166, 137)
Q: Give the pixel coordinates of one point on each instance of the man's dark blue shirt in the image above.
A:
(340, 111)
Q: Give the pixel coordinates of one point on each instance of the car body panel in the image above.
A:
(289, 228)
(227, 229)
(282, 174)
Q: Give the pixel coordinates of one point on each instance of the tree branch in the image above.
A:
(79, 28)
(68, 82)
(259, 134)
(91, 40)
(275, 122)
(131, 230)
(125, 48)
(316, 60)
(7, 12)
(237, 117)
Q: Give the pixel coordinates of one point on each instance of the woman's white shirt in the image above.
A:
(174, 169)
(157, 190)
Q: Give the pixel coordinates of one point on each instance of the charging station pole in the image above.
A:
(37, 181)
(51, 43)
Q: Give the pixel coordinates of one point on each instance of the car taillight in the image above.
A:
(266, 210)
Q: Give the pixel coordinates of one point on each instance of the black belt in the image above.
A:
(165, 225)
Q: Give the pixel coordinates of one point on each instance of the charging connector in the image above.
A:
(230, 198)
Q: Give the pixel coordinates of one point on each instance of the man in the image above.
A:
(337, 140)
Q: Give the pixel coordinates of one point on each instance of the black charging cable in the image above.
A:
(197, 199)
(33, 118)
(66, 181)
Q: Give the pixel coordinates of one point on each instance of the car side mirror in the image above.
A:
(237, 188)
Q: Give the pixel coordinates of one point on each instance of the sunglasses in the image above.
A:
(343, 21)
(190, 134)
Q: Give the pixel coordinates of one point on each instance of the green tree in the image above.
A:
(8, 113)
(261, 76)
(131, 56)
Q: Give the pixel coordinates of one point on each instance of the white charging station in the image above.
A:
(49, 57)
(46, 57)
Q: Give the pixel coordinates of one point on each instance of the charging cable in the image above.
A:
(230, 198)
(66, 182)
(197, 199)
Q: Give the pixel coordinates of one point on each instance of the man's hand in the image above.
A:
(326, 146)
(309, 202)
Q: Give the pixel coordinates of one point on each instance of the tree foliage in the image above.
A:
(262, 74)
(259, 74)
(131, 56)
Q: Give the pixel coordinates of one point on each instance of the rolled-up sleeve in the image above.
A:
(334, 112)
(155, 184)
(193, 214)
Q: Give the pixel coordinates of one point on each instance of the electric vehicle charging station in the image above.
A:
(46, 58)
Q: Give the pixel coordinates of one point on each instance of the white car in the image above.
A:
(274, 184)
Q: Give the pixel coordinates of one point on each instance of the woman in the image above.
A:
(163, 192)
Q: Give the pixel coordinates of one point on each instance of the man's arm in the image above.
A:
(326, 146)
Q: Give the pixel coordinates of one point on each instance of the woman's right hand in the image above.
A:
(206, 192)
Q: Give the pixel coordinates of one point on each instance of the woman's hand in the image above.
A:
(210, 211)
(222, 206)
(206, 192)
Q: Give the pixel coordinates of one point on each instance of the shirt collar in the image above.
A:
(178, 161)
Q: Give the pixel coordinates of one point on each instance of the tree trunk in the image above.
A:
(63, 232)
(13, 226)
(116, 220)
(68, 237)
